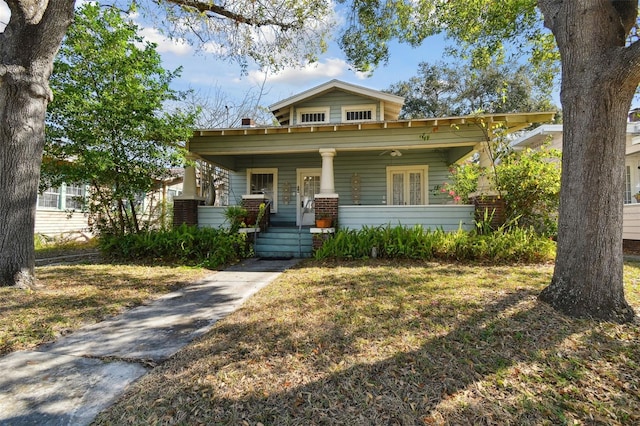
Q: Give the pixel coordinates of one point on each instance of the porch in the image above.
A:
(448, 217)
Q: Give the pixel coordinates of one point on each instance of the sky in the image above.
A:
(205, 73)
(208, 75)
(202, 71)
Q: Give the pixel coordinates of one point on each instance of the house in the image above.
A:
(60, 212)
(340, 151)
(552, 133)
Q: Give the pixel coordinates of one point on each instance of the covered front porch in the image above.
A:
(378, 164)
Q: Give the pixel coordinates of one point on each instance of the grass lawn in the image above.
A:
(374, 343)
(76, 295)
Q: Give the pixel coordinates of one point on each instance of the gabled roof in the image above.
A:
(393, 103)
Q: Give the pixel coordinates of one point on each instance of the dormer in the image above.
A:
(337, 102)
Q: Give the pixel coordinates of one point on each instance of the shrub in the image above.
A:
(187, 245)
(503, 245)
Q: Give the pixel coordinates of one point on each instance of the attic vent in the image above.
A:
(312, 117)
(358, 115)
(352, 113)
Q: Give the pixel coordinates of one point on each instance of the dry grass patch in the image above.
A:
(368, 343)
(75, 295)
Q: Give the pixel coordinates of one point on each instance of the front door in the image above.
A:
(308, 186)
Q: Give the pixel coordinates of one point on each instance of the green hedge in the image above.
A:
(512, 245)
(187, 245)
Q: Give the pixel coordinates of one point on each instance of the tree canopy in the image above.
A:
(108, 126)
(598, 46)
(443, 89)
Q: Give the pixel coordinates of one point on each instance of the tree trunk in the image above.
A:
(597, 89)
(27, 48)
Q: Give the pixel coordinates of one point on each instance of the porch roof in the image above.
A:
(461, 134)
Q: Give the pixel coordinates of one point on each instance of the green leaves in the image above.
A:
(186, 245)
(502, 245)
(108, 125)
(530, 184)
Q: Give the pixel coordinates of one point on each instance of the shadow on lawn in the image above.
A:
(507, 340)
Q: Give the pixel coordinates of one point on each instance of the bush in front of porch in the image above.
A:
(185, 245)
(503, 245)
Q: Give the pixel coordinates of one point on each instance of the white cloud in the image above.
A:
(324, 70)
(5, 14)
(214, 48)
(177, 46)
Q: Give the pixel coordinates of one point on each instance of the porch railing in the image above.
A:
(446, 217)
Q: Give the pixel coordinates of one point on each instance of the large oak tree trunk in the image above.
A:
(598, 83)
(27, 48)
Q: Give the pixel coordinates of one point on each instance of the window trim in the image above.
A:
(355, 108)
(423, 168)
(265, 171)
(61, 203)
(313, 110)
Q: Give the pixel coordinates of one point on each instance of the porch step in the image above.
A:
(283, 242)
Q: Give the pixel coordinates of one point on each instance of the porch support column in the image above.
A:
(327, 185)
(484, 186)
(185, 206)
(189, 188)
(487, 201)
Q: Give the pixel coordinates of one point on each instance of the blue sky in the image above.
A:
(202, 71)
(209, 75)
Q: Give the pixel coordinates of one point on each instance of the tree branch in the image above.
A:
(211, 8)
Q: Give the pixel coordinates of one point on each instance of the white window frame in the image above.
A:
(313, 110)
(61, 203)
(265, 171)
(422, 168)
(356, 108)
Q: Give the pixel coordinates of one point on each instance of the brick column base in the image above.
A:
(186, 211)
(253, 208)
(327, 206)
(319, 239)
(492, 207)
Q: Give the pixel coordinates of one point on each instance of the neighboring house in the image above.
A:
(59, 211)
(340, 151)
(631, 220)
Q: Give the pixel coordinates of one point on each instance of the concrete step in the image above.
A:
(284, 242)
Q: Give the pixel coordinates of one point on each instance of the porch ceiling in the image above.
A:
(459, 134)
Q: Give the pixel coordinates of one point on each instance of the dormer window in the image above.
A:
(313, 115)
(357, 113)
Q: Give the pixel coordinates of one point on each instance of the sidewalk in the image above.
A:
(68, 382)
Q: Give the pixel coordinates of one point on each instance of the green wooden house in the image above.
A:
(341, 151)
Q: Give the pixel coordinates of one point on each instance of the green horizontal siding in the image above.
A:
(370, 166)
(335, 100)
(326, 137)
(446, 217)
(212, 217)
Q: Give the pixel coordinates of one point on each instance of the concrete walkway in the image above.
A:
(71, 380)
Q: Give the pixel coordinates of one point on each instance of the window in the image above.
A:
(358, 113)
(74, 197)
(406, 185)
(49, 199)
(627, 185)
(313, 115)
(264, 181)
(66, 197)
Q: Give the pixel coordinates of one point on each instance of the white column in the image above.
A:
(327, 185)
(189, 189)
